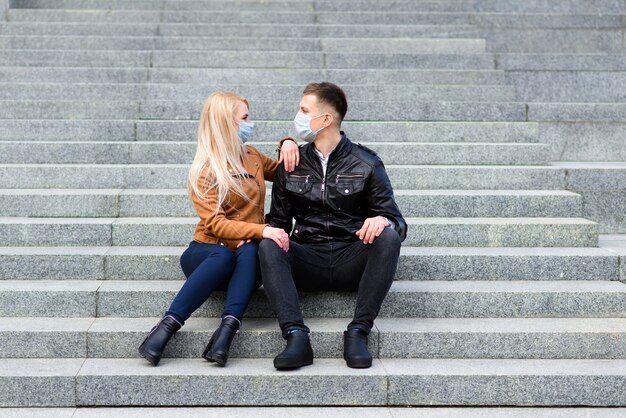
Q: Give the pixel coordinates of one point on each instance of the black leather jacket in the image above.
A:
(356, 187)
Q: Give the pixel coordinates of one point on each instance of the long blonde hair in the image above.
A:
(219, 149)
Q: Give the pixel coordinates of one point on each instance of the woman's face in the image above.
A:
(241, 114)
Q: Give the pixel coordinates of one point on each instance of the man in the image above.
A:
(347, 233)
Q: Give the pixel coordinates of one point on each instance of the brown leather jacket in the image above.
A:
(237, 219)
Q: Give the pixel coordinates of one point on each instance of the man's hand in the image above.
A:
(371, 229)
(279, 236)
(290, 155)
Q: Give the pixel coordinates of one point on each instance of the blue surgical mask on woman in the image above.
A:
(245, 131)
(302, 124)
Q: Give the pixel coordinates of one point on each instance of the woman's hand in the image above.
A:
(242, 242)
(289, 154)
(279, 236)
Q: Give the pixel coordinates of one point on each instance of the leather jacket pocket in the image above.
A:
(346, 194)
(299, 186)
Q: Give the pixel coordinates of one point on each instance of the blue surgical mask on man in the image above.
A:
(302, 125)
(246, 129)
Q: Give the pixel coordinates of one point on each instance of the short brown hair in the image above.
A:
(329, 94)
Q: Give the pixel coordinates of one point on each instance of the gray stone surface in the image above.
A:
(67, 298)
(59, 203)
(69, 75)
(55, 231)
(415, 263)
(44, 337)
(564, 62)
(182, 382)
(173, 231)
(78, 29)
(607, 209)
(176, 203)
(569, 86)
(340, 76)
(517, 338)
(411, 299)
(255, 93)
(57, 109)
(584, 141)
(419, 132)
(52, 263)
(161, 152)
(71, 58)
(501, 232)
(38, 382)
(556, 41)
(510, 382)
(173, 176)
(577, 112)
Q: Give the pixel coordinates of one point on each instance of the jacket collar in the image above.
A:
(342, 148)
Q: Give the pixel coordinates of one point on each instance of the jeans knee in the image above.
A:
(388, 240)
(248, 250)
(268, 249)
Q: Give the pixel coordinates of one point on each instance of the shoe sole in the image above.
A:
(291, 366)
(148, 357)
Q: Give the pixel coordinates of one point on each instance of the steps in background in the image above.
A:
(501, 126)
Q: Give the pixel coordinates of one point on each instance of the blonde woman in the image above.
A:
(227, 186)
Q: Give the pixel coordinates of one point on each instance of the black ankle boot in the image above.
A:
(355, 351)
(219, 344)
(298, 352)
(152, 347)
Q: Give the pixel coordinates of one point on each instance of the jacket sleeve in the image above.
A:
(380, 199)
(281, 214)
(217, 224)
(269, 167)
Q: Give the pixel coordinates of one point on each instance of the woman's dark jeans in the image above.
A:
(335, 266)
(210, 267)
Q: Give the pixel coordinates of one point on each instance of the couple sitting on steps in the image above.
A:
(346, 236)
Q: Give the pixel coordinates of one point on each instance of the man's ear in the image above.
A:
(330, 118)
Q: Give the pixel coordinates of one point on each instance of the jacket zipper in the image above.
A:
(348, 176)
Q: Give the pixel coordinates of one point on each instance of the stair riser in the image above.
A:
(159, 266)
(178, 234)
(114, 205)
(246, 76)
(359, 111)
(183, 153)
(325, 305)
(267, 344)
(152, 92)
(174, 177)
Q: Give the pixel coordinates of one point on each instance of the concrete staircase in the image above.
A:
(504, 295)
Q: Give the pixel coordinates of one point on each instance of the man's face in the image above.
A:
(310, 107)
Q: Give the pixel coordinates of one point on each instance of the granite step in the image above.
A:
(101, 382)
(398, 45)
(535, 6)
(118, 152)
(160, 4)
(265, 131)
(244, 75)
(449, 111)
(239, 30)
(175, 202)
(311, 412)
(428, 232)
(515, 338)
(254, 93)
(252, 59)
(410, 299)
(415, 263)
(170, 176)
